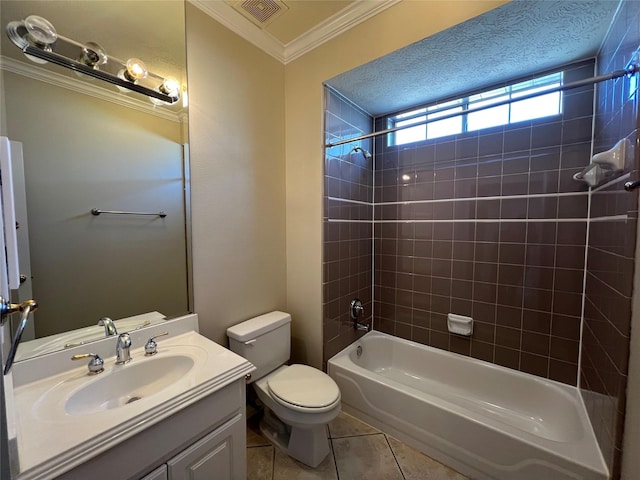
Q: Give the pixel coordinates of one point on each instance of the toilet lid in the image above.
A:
(304, 386)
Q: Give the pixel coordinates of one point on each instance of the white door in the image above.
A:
(24, 291)
(12, 279)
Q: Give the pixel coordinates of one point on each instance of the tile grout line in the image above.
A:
(333, 454)
(356, 435)
(273, 463)
(394, 455)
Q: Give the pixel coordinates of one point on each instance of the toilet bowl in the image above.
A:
(299, 400)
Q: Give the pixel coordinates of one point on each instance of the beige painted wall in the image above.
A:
(404, 23)
(236, 131)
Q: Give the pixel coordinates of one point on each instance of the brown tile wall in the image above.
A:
(605, 341)
(488, 224)
(348, 211)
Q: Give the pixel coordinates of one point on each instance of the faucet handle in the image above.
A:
(356, 309)
(96, 364)
(151, 347)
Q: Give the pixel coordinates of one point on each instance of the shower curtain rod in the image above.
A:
(630, 70)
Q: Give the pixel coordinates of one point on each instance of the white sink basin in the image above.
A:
(56, 396)
(136, 385)
(128, 383)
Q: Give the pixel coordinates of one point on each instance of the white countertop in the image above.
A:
(51, 441)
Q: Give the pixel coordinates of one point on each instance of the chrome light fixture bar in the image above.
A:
(39, 41)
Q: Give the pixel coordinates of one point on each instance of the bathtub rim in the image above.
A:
(573, 393)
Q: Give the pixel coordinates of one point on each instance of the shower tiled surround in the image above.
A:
(612, 240)
(348, 211)
(488, 224)
(491, 224)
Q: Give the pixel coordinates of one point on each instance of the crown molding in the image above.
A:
(333, 26)
(53, 78)
(347, 18)
(227, 16)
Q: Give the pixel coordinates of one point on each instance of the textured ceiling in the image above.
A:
(517, 39)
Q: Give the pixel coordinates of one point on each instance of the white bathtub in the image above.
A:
(486, 421)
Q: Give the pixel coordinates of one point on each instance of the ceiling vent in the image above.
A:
(260, 12)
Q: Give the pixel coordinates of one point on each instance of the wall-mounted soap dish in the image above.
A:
(459, 324)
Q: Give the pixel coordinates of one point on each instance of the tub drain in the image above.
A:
(359, 351)
(132, 399)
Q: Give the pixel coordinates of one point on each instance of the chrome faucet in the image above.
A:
(361, 326)
(356, 310)
(122, 348)
(109, 326)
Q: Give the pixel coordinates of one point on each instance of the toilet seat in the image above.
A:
(304, 388)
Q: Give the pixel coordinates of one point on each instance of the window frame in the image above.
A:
(513, 91)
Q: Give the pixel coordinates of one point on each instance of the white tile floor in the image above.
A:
(358, 451)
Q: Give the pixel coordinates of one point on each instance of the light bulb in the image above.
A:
(93, 55)
(170, 86)
(135, 70)
(40, 30)
(41, 33)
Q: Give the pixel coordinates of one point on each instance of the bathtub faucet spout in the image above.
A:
(361, 326)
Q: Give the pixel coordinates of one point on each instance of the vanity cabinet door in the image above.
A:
(157, 474)
(220, 455)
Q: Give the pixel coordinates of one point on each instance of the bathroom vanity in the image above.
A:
(175, 414)
(205, 440)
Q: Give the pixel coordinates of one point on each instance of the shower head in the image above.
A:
(365, 153)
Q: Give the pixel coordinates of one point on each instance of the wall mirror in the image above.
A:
(86, 144)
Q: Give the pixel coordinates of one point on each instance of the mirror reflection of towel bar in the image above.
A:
(97, 211)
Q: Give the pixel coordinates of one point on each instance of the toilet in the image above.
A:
(299, 400)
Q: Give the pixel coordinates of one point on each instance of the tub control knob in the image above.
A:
(356, 309)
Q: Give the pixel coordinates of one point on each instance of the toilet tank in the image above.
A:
(265, 341)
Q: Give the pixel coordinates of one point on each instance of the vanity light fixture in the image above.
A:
(39, 41)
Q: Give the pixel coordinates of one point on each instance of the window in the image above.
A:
(508, 110)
